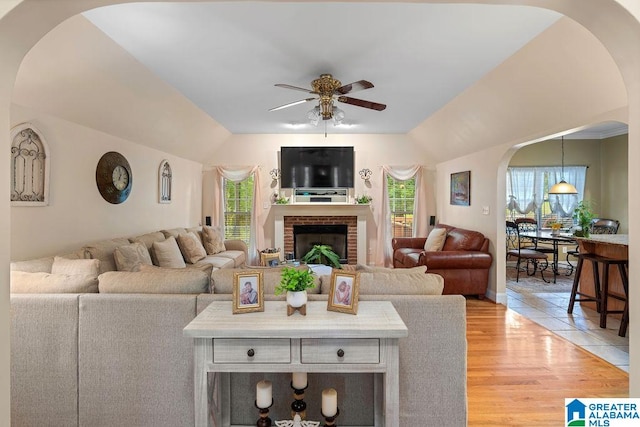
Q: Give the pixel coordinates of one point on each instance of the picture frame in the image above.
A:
(344, 292)
(266, 259)
(248, 292)
(460, 188)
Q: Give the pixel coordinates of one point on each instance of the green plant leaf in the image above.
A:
(295, 280)
(322, 254)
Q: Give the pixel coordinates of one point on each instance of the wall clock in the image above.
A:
(113, 177)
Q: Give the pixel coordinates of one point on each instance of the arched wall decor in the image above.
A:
(164, 182)
(29, 167)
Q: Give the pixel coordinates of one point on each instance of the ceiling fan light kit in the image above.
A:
(328, 90)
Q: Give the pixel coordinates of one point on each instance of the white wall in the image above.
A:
(371, 151)
(77, 213)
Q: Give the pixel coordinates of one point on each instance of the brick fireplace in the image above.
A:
(354, 216)
(351, 223)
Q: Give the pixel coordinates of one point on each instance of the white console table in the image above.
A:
(271, 341)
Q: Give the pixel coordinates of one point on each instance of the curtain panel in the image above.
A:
(526, 188)
(384, 251)
(237, 174)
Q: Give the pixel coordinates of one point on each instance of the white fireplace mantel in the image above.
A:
(324, 209)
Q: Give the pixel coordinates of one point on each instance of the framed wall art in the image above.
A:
(461, 188)
(248, 292)
(343, 293)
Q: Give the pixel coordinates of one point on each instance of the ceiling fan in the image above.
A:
(329, 90)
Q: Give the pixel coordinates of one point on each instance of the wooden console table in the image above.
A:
(271, 341)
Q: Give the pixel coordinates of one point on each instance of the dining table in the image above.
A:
(555, 238)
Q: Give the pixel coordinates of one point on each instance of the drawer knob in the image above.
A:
(341, 353)
(251, 353)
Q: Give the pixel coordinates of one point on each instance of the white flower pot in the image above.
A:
(296, 299)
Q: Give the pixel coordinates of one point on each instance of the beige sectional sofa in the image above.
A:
(120, 358)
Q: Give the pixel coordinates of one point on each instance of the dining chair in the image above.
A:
(531, 225)
(598, 226)
(534, 260)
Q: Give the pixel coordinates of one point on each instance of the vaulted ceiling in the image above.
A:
(226, 56)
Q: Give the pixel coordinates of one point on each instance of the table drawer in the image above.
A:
(250, 350)
(340, 351)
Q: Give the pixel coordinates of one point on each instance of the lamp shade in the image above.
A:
(563, 187)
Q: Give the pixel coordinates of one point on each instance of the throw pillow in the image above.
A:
(191, 248)
(83, 267)
(23, 282)
(168, 253)
(435, 240)
(129, 256)
(213, 240)
(103, 251)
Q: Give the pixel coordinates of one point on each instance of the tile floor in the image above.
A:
(581, 328)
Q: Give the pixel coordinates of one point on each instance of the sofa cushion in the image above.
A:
(375, 269)
(168, 253)
(435, 240)
(223, 279)
(174, 232)
(213, 240)
(103, 251)
(162, 281)
(39, 265)
(394, 282)
(48, 283)
(128, 257)
(197, 231)
(239, 257)
(459, 239)
(216, 261)
(83, 267)
(191, 247)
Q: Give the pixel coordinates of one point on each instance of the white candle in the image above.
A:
(329, 402)
(299, 380)
(263, 394)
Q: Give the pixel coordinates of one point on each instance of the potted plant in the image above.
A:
(295, 283)
(583, 215)
(364, 200)
(322, 254)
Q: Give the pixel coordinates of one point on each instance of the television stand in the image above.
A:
(320, 195)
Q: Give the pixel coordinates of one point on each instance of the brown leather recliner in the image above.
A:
(464, 261)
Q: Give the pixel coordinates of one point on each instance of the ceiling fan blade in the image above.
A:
(362, 103)
(294, 88)
(291, 104)
(352, 87)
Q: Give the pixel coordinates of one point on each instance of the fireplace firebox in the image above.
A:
(306, 236)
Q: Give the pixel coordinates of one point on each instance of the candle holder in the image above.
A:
(298, 406)
(331, 421)
(264, 420)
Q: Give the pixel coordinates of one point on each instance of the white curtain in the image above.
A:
(237, 174)
(384, 251)
(524, 190)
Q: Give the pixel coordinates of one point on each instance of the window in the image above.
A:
(528, 194)
(401, 202)
(237, 211)
(29, 167)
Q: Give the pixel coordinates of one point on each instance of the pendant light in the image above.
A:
(563, 187)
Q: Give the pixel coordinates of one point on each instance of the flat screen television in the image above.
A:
(316, 167)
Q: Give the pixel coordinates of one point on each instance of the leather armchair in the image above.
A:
(464, 261)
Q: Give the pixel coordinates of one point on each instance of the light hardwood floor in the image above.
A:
(519, 373)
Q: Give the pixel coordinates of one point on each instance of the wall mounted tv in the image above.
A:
(316, 167)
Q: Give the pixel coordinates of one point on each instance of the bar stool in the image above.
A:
(602, 294)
